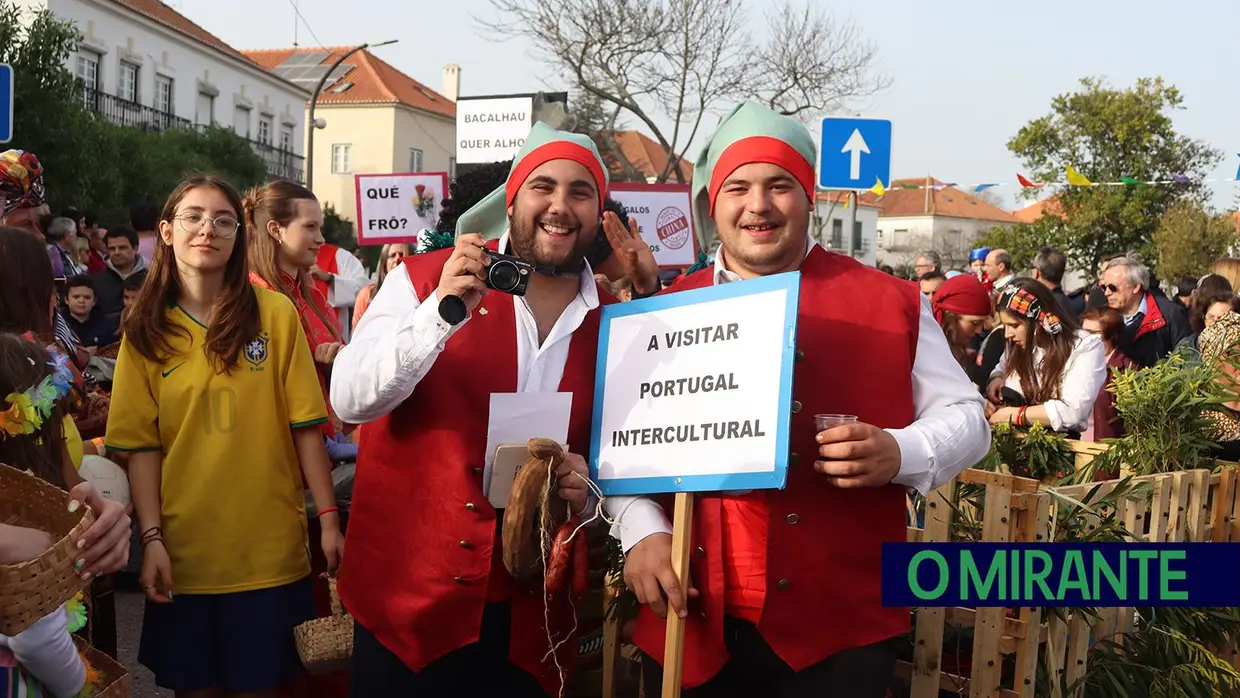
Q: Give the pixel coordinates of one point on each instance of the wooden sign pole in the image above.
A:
(673, 650)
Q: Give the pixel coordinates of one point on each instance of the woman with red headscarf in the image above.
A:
(961, 305)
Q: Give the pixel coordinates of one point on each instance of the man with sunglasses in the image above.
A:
(1153, 324)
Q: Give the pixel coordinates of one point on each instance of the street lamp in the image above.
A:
(314, 100)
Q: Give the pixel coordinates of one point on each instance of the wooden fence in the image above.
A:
(1188, 506)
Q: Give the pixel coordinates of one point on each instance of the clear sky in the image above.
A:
(966, 74)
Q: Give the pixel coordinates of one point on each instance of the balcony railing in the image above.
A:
(125, 113)
(283, 164)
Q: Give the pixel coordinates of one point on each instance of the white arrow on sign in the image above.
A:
(856, 145)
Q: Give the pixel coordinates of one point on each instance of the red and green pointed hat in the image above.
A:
(750, 133)
(489, 217)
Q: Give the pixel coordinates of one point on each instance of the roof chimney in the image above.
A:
(451, 81)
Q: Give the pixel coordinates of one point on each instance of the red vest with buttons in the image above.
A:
(424, 550)
(856, 341)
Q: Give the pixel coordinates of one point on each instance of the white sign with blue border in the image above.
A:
(854, 153)
(6, 103)
(693, 391)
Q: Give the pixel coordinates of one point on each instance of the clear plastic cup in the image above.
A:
(827, 421)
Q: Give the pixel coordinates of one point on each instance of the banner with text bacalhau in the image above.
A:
(693, 391)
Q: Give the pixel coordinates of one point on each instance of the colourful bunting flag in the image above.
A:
(1077, 179)
(984, 187)
(1026, 183)
(1181, 179)
(906, 185)
(1238, 170)
(1130, 181)
(878, 189)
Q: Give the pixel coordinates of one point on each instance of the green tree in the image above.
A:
(89, 162)
(1023, 240)
(1190, 237)
(1107, 134)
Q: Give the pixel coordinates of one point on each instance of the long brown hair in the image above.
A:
(23, 365)
(951, 330)
(1056, 348)
(277, 201)
(235, 316)
(26, 285)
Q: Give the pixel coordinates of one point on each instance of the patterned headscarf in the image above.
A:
(21, 180)
(1023, 303)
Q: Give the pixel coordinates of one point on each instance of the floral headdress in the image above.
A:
(24, 413)
(21, 181)
(1025, 304)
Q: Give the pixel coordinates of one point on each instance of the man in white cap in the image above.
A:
(437, 613)
(784, 594)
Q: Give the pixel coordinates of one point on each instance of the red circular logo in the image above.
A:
(672, 227)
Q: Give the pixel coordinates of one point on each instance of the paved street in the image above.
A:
(128, 630)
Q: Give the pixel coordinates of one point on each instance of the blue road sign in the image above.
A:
(854, 153)
(6, 103)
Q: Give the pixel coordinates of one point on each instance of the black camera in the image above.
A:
(508, 274)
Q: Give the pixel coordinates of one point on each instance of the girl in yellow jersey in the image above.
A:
(215, 397)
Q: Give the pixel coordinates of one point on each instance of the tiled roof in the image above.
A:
(372, 81)
(646, 155)
(948, 202)
(840, 197)
(1049, 206)
(161, 13)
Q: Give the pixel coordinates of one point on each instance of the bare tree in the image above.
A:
(685, 59)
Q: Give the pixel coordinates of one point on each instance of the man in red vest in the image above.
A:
(436, 612)
(784, 589)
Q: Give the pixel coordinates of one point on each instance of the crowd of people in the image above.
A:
(1043, 354)
(238, 360)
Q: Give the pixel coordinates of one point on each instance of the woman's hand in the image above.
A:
(156, 574)
(326, 353)
(1003, 415)
(994, 390)
(105, 545)
(632, 253)
(19, 544)
(332, 541)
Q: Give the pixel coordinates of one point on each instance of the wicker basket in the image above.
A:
(114, 681)
(35, 588)
(326, 644)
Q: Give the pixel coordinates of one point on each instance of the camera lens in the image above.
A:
(504, 276)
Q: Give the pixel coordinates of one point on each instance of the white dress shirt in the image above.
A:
(400, 336)
(950, 432)
(1083, 377)
(350, 278)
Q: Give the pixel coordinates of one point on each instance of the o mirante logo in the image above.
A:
(1061, 574)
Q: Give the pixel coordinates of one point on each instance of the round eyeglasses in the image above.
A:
(223, 226)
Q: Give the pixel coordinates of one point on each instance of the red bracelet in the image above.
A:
(329, 510)
(1020, 417)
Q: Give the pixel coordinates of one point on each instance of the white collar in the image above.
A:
(589, 287)
(723, 275)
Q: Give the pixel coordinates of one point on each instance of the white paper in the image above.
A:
(515, 418)
(664, 220)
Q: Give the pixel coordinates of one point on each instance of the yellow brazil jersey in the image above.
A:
(233, 510)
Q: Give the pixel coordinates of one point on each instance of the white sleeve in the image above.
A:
(635, 518)
(393, 348)
(349, 279)
(46, 650)
(950, 432)
(1083, 377)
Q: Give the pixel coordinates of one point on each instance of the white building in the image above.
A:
(831, 220)
(926, 214)
(144, 64)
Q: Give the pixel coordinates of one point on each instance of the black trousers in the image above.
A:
(755, 671)
(473, 671)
